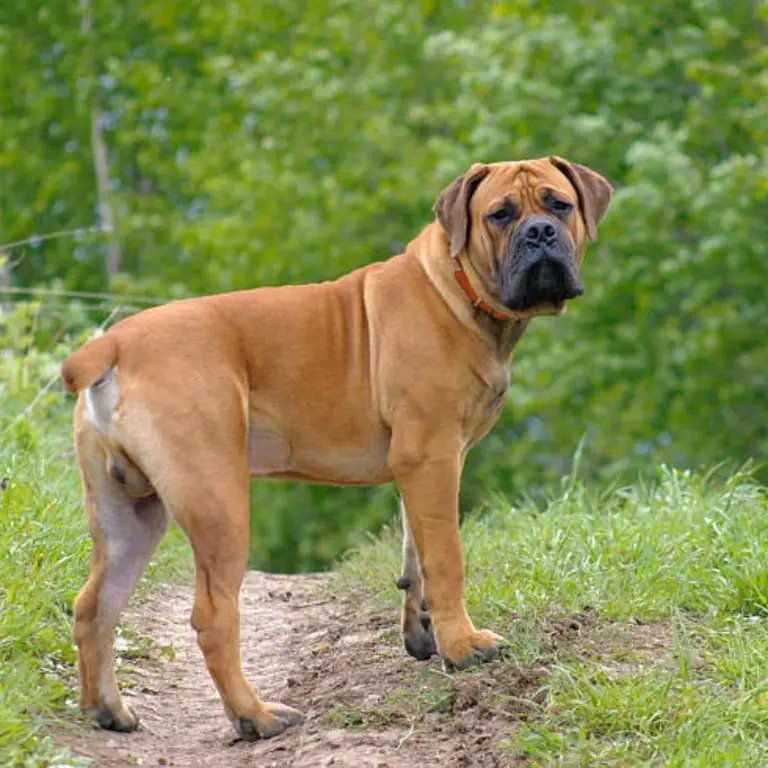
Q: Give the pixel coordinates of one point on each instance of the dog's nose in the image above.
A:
(538, 230)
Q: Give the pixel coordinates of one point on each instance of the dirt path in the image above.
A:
(367, 703)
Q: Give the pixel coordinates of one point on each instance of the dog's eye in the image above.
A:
(502, 215)
(560, 207)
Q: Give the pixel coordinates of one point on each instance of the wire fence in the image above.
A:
(12, 290)
(56, 303)
(6, 289)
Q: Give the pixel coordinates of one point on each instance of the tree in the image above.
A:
(251, 145)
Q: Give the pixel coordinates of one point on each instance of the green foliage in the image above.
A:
(255, 145)
(659, 717)
(43, 555)
(306, 527)
(44, 542)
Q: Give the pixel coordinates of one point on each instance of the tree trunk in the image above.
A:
(113, 257)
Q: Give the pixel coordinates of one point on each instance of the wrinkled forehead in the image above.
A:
(524, 182)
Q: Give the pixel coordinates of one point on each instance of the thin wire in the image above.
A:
(44, 391)
(49, 385)
(53, 235)
(63, 309)
(52, 293)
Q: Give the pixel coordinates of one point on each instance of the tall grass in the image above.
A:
(689, 542)
(44, 543)
(43, 559)
(685, 557)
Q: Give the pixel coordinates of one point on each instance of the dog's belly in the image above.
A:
(325, 460)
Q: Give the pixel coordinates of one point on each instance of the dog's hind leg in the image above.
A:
(125, 532)
(418, 637)
(214, 514)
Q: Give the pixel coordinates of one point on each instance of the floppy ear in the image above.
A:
(593, 190)
(452, 207)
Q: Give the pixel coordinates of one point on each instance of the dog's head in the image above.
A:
(523, 227)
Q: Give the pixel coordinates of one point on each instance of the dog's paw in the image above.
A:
(125, 721)
(476, 647)
(278, 718)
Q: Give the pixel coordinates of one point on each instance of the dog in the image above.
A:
(390, 373)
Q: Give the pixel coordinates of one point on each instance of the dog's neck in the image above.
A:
(432, 249)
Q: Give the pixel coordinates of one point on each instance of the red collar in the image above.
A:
(477, 302)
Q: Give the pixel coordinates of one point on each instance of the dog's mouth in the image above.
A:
(544, 284)
(548, 308)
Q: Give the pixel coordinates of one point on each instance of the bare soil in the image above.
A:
(367, 703)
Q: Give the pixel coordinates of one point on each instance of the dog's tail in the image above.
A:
(84, 367)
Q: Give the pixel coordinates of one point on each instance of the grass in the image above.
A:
(683, 561)
(44, 551)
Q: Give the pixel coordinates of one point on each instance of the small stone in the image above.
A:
(335, 737)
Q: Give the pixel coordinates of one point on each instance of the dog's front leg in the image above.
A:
(429, 483)
(418, 638)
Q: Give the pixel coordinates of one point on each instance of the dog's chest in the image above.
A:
(491, 397)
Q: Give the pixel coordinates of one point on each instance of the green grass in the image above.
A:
(686, 558)
(44, 552)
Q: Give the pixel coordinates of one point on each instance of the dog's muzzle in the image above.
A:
(540, 267)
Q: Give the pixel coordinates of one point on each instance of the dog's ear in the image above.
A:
(593, 190)
(452, 207)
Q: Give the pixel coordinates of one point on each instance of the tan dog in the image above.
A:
(392, 372)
